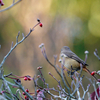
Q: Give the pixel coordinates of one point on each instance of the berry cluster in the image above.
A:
(1, 3)
(26, 97)
(27, 78)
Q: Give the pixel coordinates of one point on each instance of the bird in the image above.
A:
(72, 61)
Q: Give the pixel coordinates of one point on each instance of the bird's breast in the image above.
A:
(68, 62)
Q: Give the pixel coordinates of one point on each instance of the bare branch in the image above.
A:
(14, 3)
(12, 48)
(96, 54)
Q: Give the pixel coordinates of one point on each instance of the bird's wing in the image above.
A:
(75, 57)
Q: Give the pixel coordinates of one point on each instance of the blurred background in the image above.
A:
(73, 23)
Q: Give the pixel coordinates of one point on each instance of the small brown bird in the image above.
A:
(72, 60)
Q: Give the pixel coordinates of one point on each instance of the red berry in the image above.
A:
(93, 73)
(0, 1)
(25, 97)
(23, 93)
(41, 24)
(2, 4)
(29, 78)
(25, 78)
(27, 90)
(38, 90)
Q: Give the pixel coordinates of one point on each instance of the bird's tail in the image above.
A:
(88, 71)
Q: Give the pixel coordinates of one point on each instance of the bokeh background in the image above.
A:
(73, 23)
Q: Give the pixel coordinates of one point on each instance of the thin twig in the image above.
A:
(12, 48)
(63, 79)
(96, 54)
(14, 3)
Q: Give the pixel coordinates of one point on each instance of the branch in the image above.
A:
(13, 47)
(96, 54)
(14, 3)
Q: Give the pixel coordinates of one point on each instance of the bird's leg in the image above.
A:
(71, 73)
